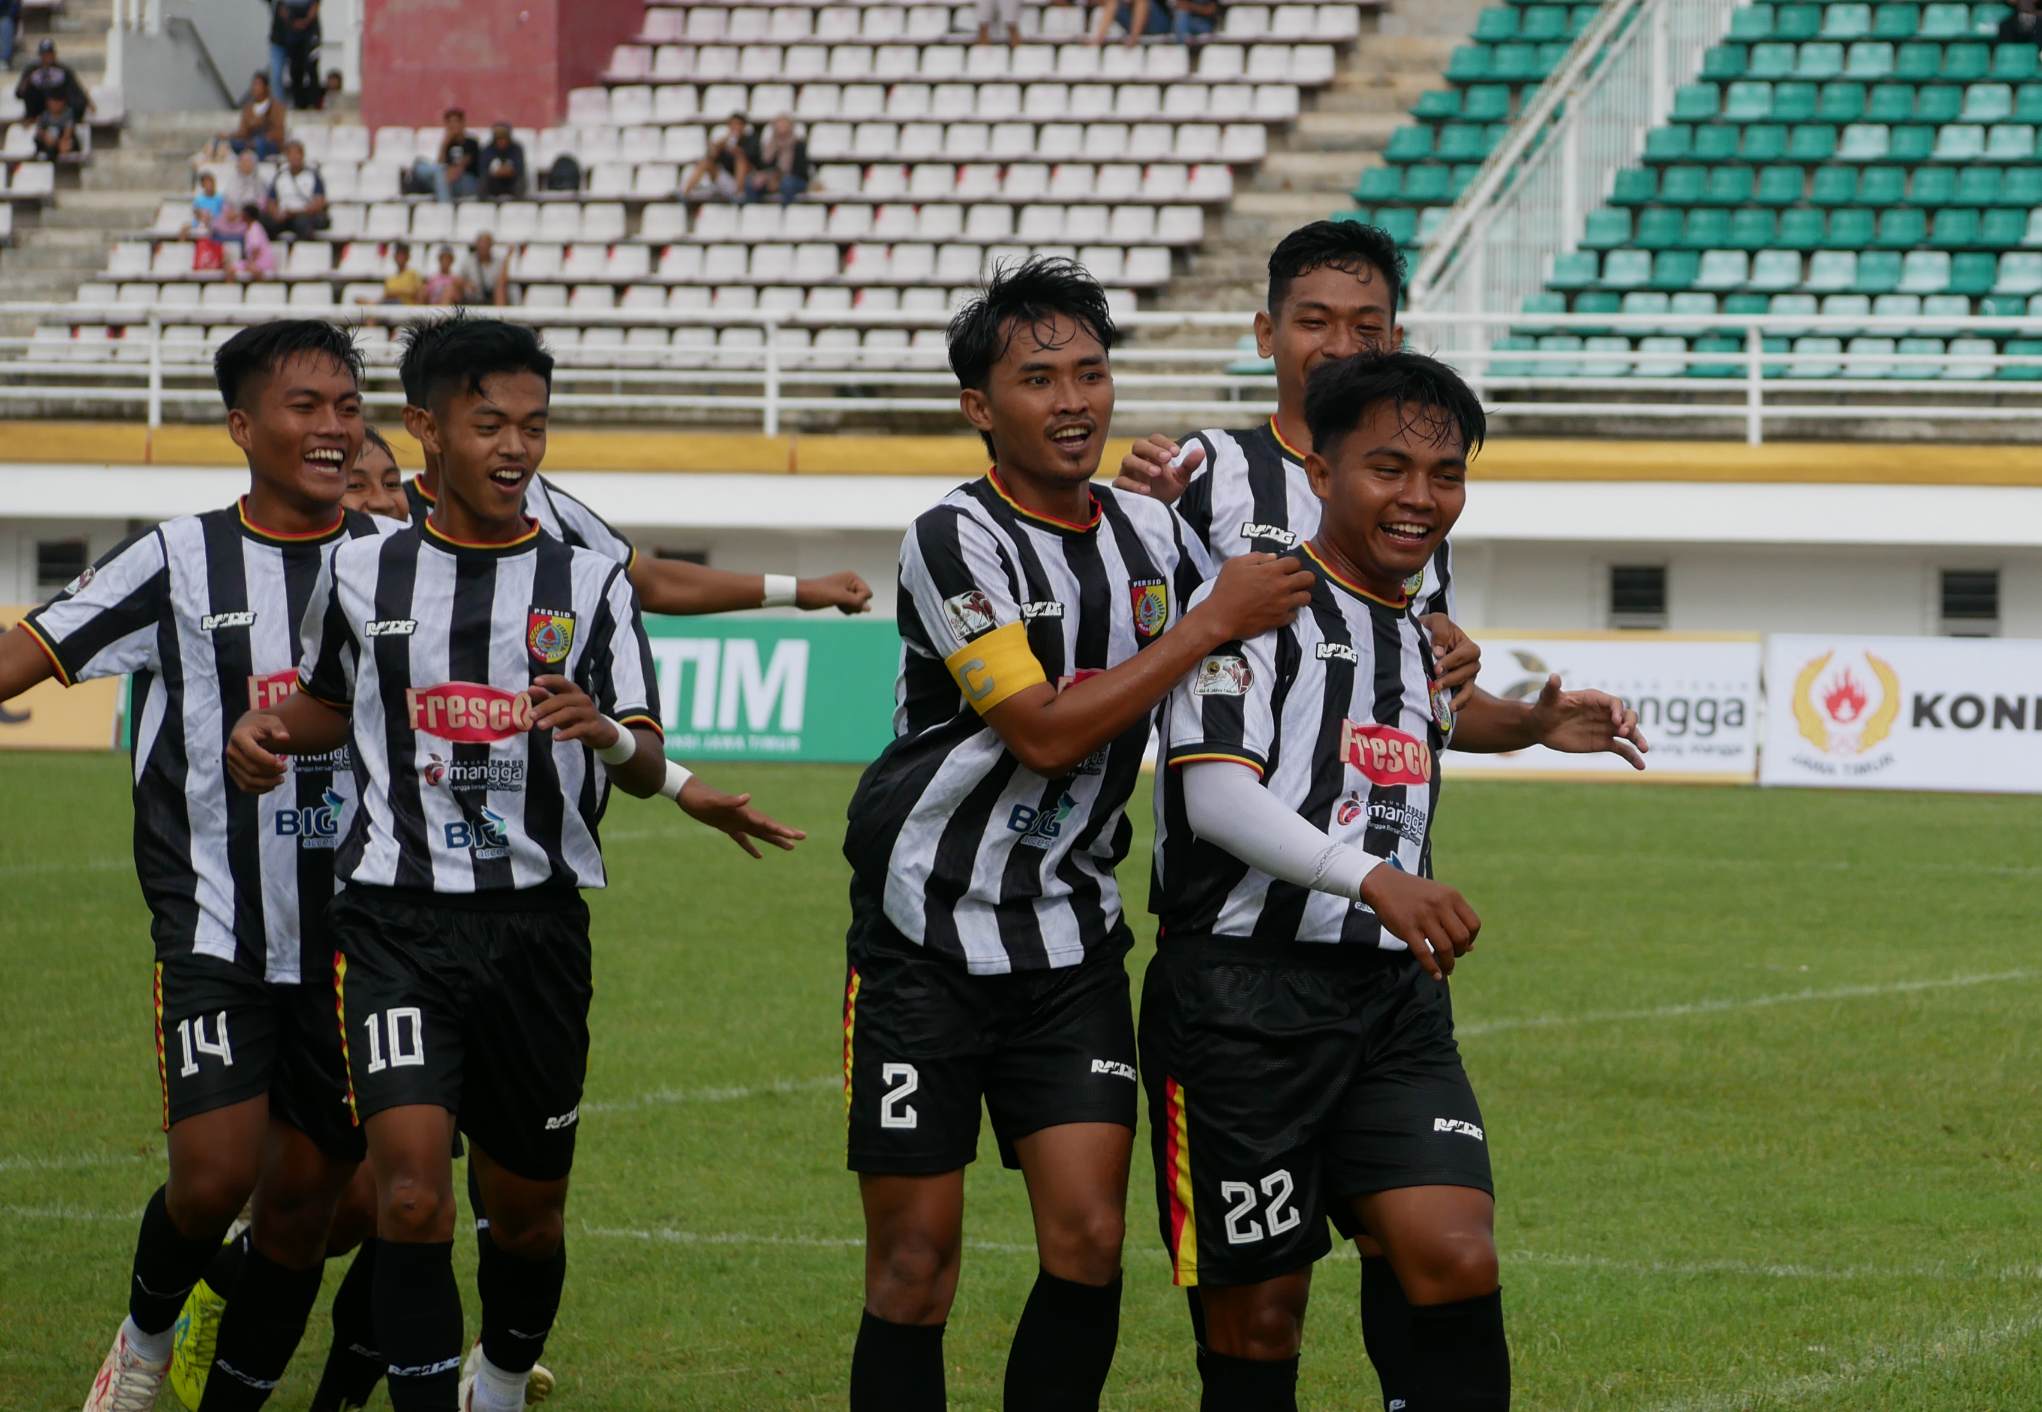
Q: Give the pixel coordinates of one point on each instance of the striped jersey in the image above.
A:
(1338, 716)
(431, 645)
(976, 857)
(1251, 495)
(204, 611)
(558, 513)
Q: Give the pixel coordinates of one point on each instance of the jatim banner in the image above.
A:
(1696, 695)
(1904, 713)
(51, 717)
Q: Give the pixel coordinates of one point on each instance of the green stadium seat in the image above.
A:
(1746, 303)
(1803, 229)
(1933, 187)
(1869, 59)
(1431, 182)
(1660, 228)
(1379, 184)
(1846, 21)
(1850, 228)
(1753, 228)
(1559, 367)
(1496, 24)
(1596, 301)
(2013, 63)
(1410, 143)
(1486, 103)
(1832, 271)
(1626, 269)
(2027, 103)
(1943, 306)
(1960, 142)
(1968, 63)
(2004, 306)
(1938, 103)
(1752, 24)
(1799, 102)
(1545, 301)
(1723, 270)
(1956, 227)
(2010, 142)
(1881, 186)
(1897, 306)
(1781, 185)
(1777, 61)
(1918, 62)
(1635, 186)
(1972, 273)
(1869, 357)
(1988, 103)
(1513, 367)
(2021, 187)
(1747, 101)
(1683, 185)
(1765, 142)
(1911, 143)
(1797, 23)
(2032, 236)
(1694, 303)
(1788, 305)
(1969, 357)
(1516, 63)
(1716, 142)
(2023, 348)
(2020, 272)
(1643, 303)
(1399, 222)
(1438, 105)
(1885, 103)
(1878, 271)
(1844, 102)
(1463, 142)
(1834, 186)
(1677, 269)
(1902, 228)
(1727, 361)
(1728, 186)
(1926, 272)
(1545, 23)
(2003, 228)
(1470, 63)
(1607, 229)
(1811, 143)
(1605, 356)
(1726, 63)
(1846, 306)
(1577, 269)
(1661, 356)
(1891, 21)
(1816, 356)
(1669, 144)
(1699, 102)
(1429, 222)
(1940, 21)
(1863, 142)
(1706, 228)
(1977, 186)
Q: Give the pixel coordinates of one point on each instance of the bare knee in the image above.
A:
(1084, 1246)
(1263, 1322)
(413, 1208)
(203, 1198)
(910, 1277)
(1449, 1268)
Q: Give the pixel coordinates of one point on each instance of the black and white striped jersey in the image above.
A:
(1251, 495)
(1338, 715)
(204, 611)
(976, 857)
(558, 513)
(431, 645)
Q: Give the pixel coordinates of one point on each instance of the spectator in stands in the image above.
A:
(503, 164)
(10, 23)
(329, 96)
(258, 258)
(261, 128)
(297, 198)
(294, 51)
(245, 186)
(1194, 21)
(49, 76)
(443, 286)
(56, 131)
(2024, 25)
(231, 229)
(1138, 20)
(782, 168)
(1007, 12)
(727, 166)
(405, 284)
(485, 273)
(458, 170)
(206, 209)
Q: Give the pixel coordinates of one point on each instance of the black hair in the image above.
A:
(419, 339)
(260, 349)
(1346, 246)
(372, 437)
(401, 247)
(1028, 294)
(461, 113)
(1426, 392)
(464, 352)
(250, 211)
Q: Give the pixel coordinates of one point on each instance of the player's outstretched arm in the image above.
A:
(689, 590)
(1226, 805)
(1458, 656)
(733, 815)
(1575, 722)
(300, 725)
(23, 663)
(1052, 731)
(1151, 468)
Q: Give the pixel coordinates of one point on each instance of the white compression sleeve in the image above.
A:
(1228, 806)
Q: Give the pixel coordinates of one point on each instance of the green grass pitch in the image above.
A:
(1761, 1072)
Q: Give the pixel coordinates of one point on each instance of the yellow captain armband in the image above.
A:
(995, 667)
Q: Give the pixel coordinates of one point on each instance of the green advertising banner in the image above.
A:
(812, 688)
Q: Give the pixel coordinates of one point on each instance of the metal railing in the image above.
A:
(784, 379)
(1531, 199)
(129, 17)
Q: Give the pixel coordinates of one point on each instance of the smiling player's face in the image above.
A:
(490, 444)
(1328, 314)
(1391, 491)
(1047, 403)
(301, 431)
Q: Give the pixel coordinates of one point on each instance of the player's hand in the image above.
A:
(1459, 656)
(732, 814)
(251, 763)
(1433, 918)
(561, 706)
(845, 592)
(1587, 723)
(1257, 593)
(1149, 469)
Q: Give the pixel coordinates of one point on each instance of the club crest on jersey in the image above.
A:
(468, 712)
(1414, 585)
(970, 614)
(265, 692)
(1151, 601)
(1442, 708)
(1275, 534)
(1222, 676)
(1385, 754)
(85, 576)
(549, 636)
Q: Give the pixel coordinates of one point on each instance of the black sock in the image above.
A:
(897, 1367)
(1063, 1346)
(225, 1267)
(1386, 1328)
(418, 1324)
(167, 1264)
(1459, 1359)
(259, 1333)
(520, 1299)
(1197, 1323)
(353, 1364)
(1248, 1384)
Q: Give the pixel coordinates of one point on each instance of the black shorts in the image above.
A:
(925, 1040)
(1282, 1086)
(225, 1035)
(478, 1005)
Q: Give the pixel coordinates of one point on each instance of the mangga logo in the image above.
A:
(1841, 703)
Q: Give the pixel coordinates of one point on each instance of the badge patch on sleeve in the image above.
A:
(1150, 599)
(1222, 676)
(970, 614)
(549, 636)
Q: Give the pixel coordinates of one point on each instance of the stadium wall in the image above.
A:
(500, 60)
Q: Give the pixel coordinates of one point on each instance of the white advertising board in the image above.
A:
(1903, 713)
(1696, 695)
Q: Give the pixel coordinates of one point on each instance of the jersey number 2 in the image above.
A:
(1278, 1213)
(894, 1109)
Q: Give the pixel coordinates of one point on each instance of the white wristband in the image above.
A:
(780, 591)
(622, 749)
(677, 777)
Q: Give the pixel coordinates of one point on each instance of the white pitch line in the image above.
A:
(1937, 1352)
(1572, 1018)
(66, 1213)
(1795, 865)
(64, 865)
(668, 1235)
(735, 1093)
(31, 1162)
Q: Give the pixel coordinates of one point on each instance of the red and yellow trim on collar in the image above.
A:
(531, 533)
(993, 478)
(1352, 587)
(1288, 450)
(283, 536)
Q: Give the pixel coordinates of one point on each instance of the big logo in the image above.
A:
(315, 825)
(1835, 711)
(1385, 754)
(486, 837)
(469, 712)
